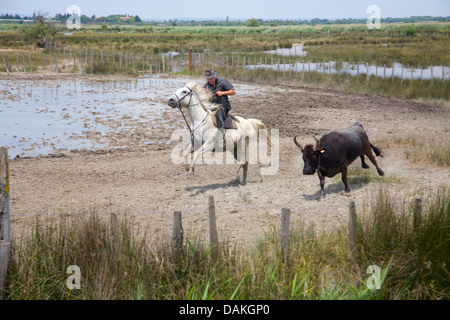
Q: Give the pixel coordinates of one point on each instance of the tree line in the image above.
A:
(136, 20)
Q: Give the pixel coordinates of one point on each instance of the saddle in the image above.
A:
(230, 122)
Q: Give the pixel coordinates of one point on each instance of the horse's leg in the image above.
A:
(242, 158)
(207, 146)
(245, 166)
(186, 153)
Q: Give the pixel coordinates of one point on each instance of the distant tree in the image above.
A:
(252, 23)
(40, 30)
(137, 19)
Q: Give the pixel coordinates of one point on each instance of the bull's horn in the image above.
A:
(317, 141)
(298, 144)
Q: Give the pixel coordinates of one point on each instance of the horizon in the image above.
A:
(185, 19)
(235, 10)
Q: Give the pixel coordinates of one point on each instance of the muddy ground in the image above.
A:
(142, 181)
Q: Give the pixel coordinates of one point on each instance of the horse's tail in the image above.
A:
(258, 125)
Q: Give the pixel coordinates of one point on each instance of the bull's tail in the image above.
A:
(258, 125)
(377, 151)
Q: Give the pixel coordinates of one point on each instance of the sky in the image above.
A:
(234, 9)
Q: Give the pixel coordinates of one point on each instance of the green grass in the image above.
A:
(116, 261)
(416, 150)
(419, 269)
(435, 154)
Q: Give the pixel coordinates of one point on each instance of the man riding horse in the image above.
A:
(222, 89)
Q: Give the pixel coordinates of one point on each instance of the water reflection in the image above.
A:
(46, 116)
(332, 67)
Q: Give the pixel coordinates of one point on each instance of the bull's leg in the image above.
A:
(322, 184)
(372, 159)
(363, 163)
(344, 178)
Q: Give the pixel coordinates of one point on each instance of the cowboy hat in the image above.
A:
(210, 74)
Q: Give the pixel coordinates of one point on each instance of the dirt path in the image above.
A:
(143, 181)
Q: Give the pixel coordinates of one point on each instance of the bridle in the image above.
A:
(190, 93)
(184, 97)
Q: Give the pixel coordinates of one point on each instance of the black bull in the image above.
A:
(335, 151)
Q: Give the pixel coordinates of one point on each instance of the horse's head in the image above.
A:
(181, 98)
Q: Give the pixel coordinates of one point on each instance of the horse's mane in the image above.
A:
(204, 95)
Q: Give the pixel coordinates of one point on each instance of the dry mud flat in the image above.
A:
(144, 182)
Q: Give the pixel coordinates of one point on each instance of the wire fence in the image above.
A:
(62, 59)
(362, 207)
(314, 205)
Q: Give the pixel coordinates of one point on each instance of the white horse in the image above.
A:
(196, 100)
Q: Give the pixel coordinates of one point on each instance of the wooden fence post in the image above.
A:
(4, 61)
(367, 70)
(417, 213)
(31, 66)
(5, 244)
(177, 238)
(23, 62)
(115, 230)
(190, 60)
(353, 250)
(81, 61)
(357, 73)
(50, 57)
(401, 81)
(284, 233)
(393, 72)
(213, 238)
(432, 77)
(56, 63)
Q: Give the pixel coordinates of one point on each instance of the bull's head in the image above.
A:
(310, 156)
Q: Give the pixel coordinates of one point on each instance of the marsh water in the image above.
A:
(331, 67)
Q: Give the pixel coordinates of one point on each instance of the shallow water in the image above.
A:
(41, 117)
(45, 116)
(435, 72)
(330, 67)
